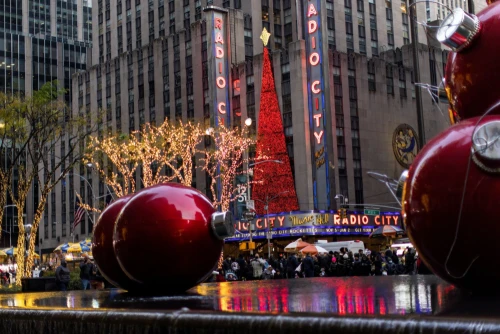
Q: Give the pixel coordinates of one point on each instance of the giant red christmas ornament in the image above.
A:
(102, 246)
(450, 204)
(472, 82)
(168, 237)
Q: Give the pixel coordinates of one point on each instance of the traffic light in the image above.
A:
(271, 224)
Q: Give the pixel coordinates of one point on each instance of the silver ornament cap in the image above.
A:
(486, 141)
(222, 224)
(458, 30)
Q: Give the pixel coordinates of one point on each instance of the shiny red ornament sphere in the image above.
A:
(102, 246)
(163, 238)
(471, 75)
(459, 249)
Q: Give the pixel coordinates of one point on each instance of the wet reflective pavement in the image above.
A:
(382, 296)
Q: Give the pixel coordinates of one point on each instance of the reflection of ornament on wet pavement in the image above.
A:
(450, 204)
(167, 238)
(405, 144)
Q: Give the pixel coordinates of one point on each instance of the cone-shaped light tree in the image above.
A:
(273, 182)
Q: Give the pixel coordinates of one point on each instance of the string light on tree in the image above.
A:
(223, 164)
(151, 149)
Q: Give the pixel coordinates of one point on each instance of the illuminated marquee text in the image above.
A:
(314, 60)
(220, 80)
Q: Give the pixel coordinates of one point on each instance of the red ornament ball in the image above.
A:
(459, 248)
(471, 75)
(163, 238)
(102, 246)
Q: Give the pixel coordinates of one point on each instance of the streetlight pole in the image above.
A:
(93, 195)
(248, 184)
(416, 75)
(248, 123)
(91, 166)
(266, 207)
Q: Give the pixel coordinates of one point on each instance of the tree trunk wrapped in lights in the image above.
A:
(272, 180)
(224, 161)
(122, 154)
(183, 140)
(12, 134)
(45, 126)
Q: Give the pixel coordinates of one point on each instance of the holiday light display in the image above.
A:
(125, 160)
(272, 180)
(183, 140)
(171, 146)
(223, 164)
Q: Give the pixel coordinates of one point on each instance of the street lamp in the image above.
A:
(345, 200)
(266, 207)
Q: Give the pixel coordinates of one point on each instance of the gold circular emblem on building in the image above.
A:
(405, 144)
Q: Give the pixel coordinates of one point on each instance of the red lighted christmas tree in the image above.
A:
(273, 182)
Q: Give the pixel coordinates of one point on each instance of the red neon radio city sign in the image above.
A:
(220, 80)
(218, 43)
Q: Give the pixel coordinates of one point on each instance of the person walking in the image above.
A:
(258, 266)
(62, 276)
(308, 266)
(85, 272)
(291, 265)
(243, 267)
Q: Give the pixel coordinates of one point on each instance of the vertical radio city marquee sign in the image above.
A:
(218, 43)
(317, 117)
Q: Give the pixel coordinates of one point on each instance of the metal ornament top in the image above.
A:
(458, 30)
(485, 141)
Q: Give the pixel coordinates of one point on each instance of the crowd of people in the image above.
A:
(7, 273)
(90, 276)
(332, 264)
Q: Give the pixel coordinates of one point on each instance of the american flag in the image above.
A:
(79, 212)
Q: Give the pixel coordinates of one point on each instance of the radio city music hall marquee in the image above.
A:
(307, 223)
(217, 32)
(317, 103)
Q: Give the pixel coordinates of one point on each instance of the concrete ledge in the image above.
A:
(55, 321)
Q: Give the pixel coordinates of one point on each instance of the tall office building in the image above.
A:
(440, 9)
(155, 60)
(41, 41)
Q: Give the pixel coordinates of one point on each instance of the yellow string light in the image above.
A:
(223, 163)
